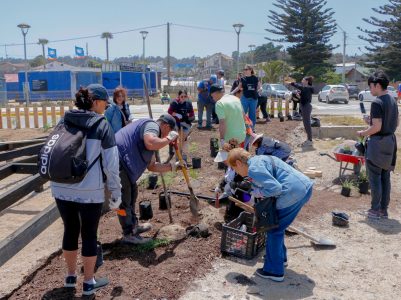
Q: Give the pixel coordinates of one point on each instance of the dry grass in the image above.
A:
(341, 120)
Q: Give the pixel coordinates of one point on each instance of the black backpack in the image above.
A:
(62, 158)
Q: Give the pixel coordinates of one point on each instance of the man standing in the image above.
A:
(230, 113)
(381, 145)
(137, 143)
(204, 102)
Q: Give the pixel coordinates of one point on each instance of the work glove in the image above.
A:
(175, 165)
(178, 116)
(217, 191)
(172, 135)
(115, 203)
(221, 143)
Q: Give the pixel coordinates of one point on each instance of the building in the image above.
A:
(215, 62)
(354, 72)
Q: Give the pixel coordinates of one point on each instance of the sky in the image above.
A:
(198, 28)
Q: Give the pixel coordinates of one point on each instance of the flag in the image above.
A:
(52, 53)
(79, 52)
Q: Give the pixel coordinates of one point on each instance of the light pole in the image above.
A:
(237, 28)
(144, 35)
(252, 49)
(24, 29)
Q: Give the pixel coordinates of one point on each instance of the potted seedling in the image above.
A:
(196, 160)
(145, 206)
(168, 180)
(346, 188)
(347, 150)
(363, 182)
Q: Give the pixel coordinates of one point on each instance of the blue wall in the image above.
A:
(86, 78)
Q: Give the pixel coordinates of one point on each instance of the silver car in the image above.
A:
(333, 93)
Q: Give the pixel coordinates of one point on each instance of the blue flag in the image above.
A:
(79, 51)
(52, 53)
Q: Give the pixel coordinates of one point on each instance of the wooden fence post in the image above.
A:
(8, 117)
(26, 112)
(17, 118)
(44, 116)
(62, 111)
(54, 121)
(35, 117)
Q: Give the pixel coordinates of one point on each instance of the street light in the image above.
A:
(237, 28)
(144, 35)
(252, 48)
(24, 29)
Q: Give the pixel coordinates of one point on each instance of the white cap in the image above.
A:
(221, 156)
(255, 137)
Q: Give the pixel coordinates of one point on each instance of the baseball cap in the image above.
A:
(213, 79)
(216, 88)
(168, 119)
(98, 92)
(221, 156)
(255, 137)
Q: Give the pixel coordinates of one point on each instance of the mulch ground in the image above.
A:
(167, 271)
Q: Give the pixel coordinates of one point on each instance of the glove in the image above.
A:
(172, 136)
(217, 190)
(244, 185)
(179, 116)
(221, 143)
(176, 165)
(114, 204)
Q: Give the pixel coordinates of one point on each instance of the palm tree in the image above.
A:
(275, 71)
(43, 42)
(107, 36)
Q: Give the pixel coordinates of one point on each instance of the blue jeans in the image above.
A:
(249, 105)
(276, 252)
(209, 109)
(380, 186)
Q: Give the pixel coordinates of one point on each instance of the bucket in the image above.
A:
(152, 181)
(196, 162)
(145, 210)
(162, 201)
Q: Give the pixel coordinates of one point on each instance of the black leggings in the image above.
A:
(80, 217)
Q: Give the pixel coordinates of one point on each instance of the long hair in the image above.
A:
(117, 92)
(83, 100)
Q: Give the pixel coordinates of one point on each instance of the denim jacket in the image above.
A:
(115, 117)
(288, 185)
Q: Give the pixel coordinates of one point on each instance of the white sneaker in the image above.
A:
(141, 228)
(135, 239)
(307, 143)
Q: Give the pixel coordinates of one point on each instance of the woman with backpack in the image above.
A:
(80, 203)
(118, 113)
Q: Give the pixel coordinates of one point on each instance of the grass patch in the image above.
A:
(328, 145)
(341, 120)
(151, 245)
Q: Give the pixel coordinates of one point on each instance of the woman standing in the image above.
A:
(181, 109)
(271, 177)
(250, 85)
(80, 204)
(118, 113)
(305, 106)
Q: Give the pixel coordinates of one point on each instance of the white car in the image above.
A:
(333, 93)
(367, 96)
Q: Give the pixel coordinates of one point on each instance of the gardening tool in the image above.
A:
(146, 92)
(193, 200)
(316, 241)
(188, 194)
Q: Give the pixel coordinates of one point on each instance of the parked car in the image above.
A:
(367, 96)
(333, 93)
(276, 90)
(353, 90)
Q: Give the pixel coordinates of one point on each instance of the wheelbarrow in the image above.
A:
(345, 160)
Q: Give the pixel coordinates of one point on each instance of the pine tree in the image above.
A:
(308, 25)
(385, 41)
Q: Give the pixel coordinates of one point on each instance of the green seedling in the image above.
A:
(363, 176)
(152, 244)
(347, 184)
(194, 173)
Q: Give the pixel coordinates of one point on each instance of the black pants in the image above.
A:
(129, 194)
(80, 217)
(294, 106)
(215, 118)
(306, 112)
(262, 102)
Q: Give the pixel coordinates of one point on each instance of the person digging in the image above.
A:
(137, 143)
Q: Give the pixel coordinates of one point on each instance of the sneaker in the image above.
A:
(384, 214)
(70, 281)
(285, 263)
(307, 143)
(90, 289)
(267, 120)
(267, 275)
(135, 239)
(141, 228)
(374, 214)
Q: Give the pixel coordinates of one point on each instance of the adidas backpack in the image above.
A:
(63, 156)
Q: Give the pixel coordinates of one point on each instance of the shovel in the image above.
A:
(316, 241)
(193, 200)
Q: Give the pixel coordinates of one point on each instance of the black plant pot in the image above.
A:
(162, 201)
(281, 119)
(214, 142)
(221, 166)
(145, 210)
(363, 187)
(196, 162)
(345, 191)
(213, 152)
(152, 181)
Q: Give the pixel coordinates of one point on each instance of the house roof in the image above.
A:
(59, 66)
(351, 66)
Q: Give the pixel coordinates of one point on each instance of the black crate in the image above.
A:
(238, 243)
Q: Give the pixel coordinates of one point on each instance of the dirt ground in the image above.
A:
(193, 269)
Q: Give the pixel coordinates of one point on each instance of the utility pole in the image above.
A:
(24, 30)
(168, 55)
(252, 49)
(87, 56)
(344, 44)
(237, 28)
(5, 50)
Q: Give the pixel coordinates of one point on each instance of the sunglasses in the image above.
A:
(246, 69)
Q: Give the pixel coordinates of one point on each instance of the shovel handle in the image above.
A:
(184, 170)
(241, 204)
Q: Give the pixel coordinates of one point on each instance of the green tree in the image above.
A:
(267, 52)
(275, 71)
(308, 25)
(37, 61)
(385, 40)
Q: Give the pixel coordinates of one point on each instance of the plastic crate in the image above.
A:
(239, 243)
